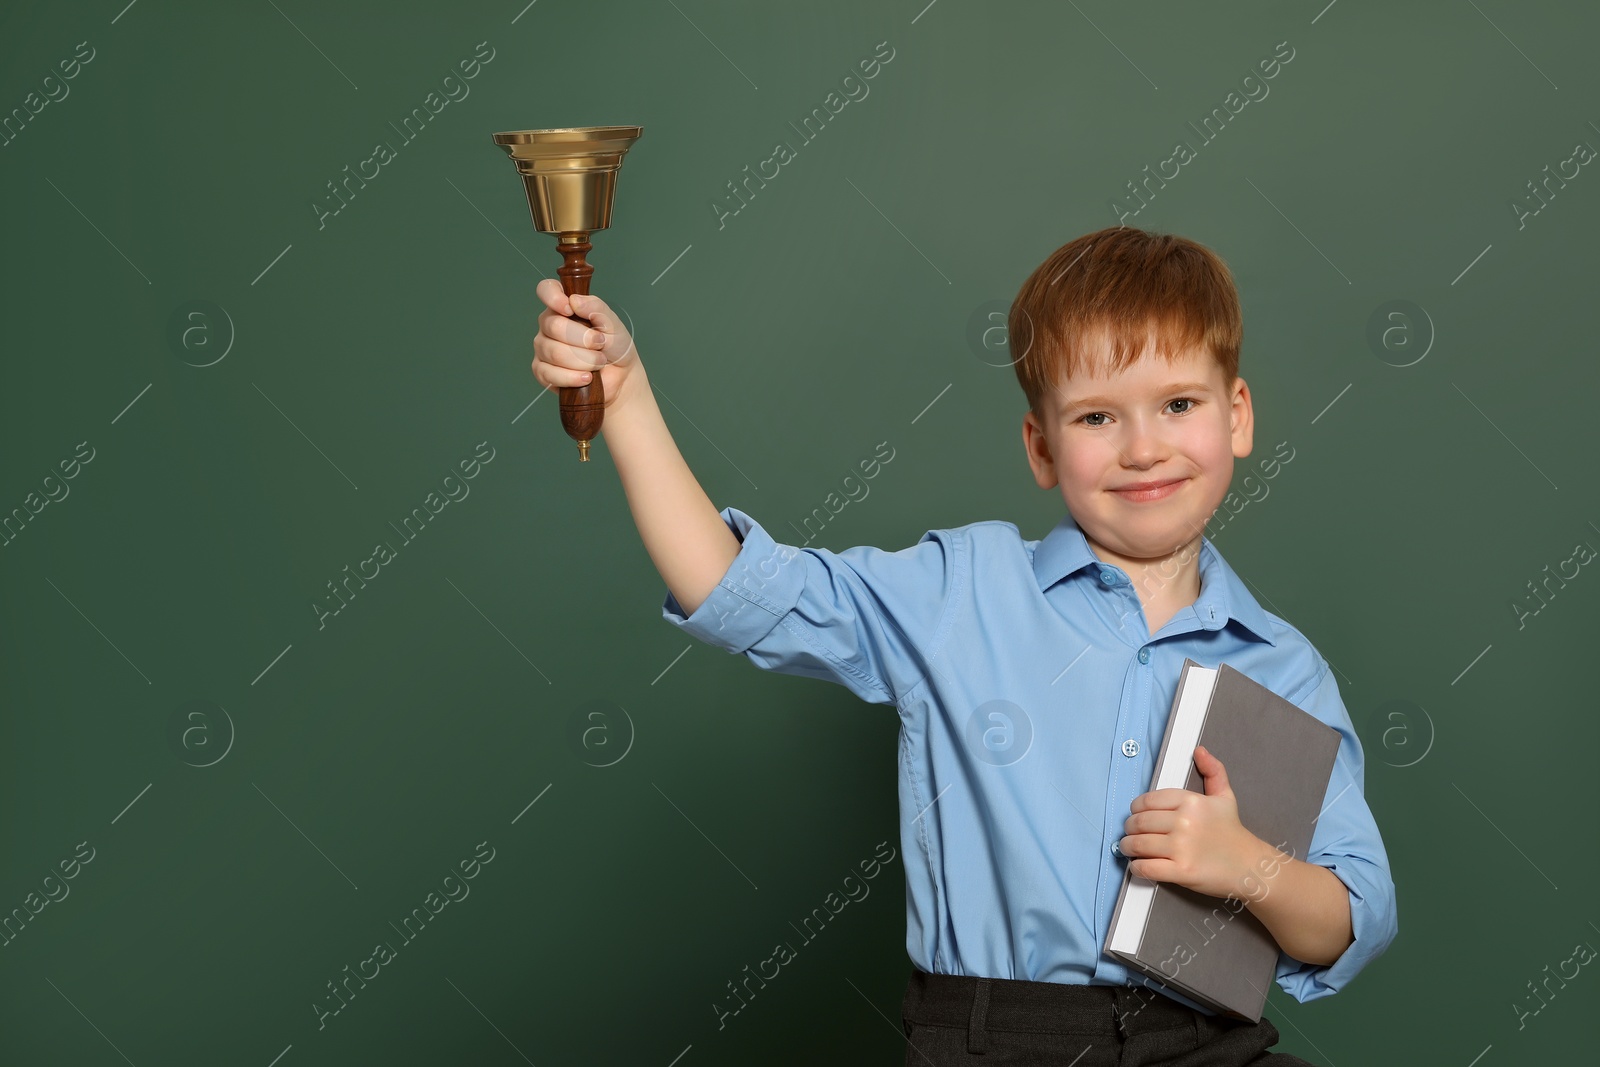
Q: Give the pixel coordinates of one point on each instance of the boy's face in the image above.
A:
(1152, 422)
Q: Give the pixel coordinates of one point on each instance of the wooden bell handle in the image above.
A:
(583, 407)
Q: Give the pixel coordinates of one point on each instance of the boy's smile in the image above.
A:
(1156, 489)
(1144, 456)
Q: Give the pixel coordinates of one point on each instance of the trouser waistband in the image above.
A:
(1039, 1007)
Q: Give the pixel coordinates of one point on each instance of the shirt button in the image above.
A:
(1108, 578)
(1130, 747)
(1144, 654)
(1116, 848)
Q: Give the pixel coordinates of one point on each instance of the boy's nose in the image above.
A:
(1142, 444)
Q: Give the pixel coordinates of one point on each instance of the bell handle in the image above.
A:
(582, 406)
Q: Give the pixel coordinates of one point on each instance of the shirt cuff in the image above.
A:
(1372, 922)
(761, 586)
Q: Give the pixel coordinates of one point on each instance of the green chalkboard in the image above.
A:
(269, 304)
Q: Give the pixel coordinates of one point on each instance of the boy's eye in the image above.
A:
(1190, 401)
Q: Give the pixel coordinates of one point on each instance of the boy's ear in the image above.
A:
(1037, 446)
(1243, 419)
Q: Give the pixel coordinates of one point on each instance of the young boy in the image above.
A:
(1033, 678)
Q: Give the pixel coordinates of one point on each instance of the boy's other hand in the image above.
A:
(565, 351)
(1178, 835)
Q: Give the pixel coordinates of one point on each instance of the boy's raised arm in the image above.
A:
(682, 530)
(685, 535)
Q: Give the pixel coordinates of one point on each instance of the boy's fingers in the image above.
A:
(552, 377)
(574, 334)
(558, 353)
(591, 343)
(594, 309)
(599, 313)
(554, 296)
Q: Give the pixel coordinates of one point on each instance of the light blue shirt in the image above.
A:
(1032, 703)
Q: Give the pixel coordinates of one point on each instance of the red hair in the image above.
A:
(1132, 286)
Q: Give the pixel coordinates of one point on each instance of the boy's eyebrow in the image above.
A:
(1106, 401)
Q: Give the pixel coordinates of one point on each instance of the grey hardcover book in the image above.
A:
(1279, 761)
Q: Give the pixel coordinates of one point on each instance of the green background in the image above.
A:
(361, 761)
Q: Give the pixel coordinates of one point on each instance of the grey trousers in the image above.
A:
(1002, 1022)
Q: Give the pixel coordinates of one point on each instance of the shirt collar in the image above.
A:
(1223, 595)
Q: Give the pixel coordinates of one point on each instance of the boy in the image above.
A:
(1033, 679)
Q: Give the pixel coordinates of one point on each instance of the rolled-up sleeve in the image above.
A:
(865, 618)
(1346, 841)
